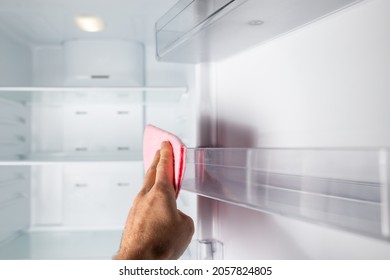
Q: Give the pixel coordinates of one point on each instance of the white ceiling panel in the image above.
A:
(43, 22)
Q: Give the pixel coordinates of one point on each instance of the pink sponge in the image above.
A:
(153, 136)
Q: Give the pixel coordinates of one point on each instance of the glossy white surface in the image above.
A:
(247, 234)
(325, 85)
(106, 62)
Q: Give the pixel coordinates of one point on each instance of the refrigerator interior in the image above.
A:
(293, 91)
(300, 91)
(315, 100)
(73, 106)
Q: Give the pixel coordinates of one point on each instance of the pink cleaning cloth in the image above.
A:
(153, 136)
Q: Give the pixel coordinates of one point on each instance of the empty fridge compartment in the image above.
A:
(70, 124)
(343, 188)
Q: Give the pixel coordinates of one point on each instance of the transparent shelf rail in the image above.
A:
(343, 188)
(195, 31)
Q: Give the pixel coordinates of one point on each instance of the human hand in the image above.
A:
(155, 228)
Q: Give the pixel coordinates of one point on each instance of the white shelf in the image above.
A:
(344, 188)
(64, 95)
(61, 159)
(93, 89)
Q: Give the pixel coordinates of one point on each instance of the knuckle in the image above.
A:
(140, 196)
(158, 192)
(190, 225)
(160, 185)
(163, 186)
(163, 162)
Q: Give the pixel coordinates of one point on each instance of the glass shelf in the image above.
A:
(93, 89)
(343, 188)
(62, 158)
(187, 18)
(194, 31)
(92, 95)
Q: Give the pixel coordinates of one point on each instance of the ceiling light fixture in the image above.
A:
(89, 23)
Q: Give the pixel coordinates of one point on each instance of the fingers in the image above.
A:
(161, 170)
(150, 176)
(165, 169)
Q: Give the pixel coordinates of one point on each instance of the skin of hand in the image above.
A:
(155, 228)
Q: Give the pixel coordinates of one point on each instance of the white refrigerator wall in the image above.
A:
(325, 85)
(14, 181)
(12, 51)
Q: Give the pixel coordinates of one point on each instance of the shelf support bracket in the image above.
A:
(210, 249)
